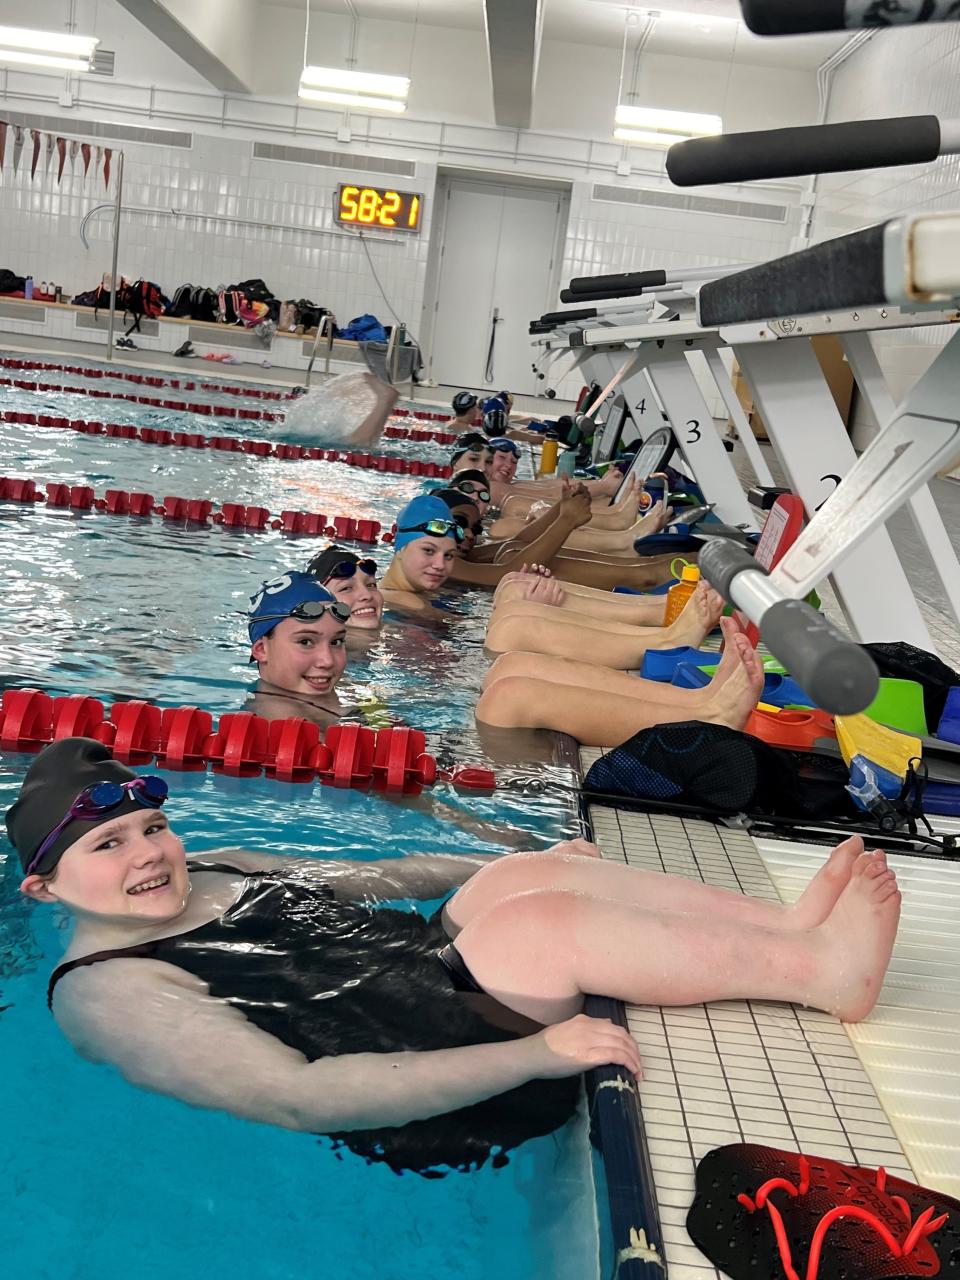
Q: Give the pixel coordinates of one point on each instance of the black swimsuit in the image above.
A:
(331, 978)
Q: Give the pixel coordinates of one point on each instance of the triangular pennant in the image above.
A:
(85, 152)
(3, 142)
(74, 152)
(49, 153)
(37, 144)
(62, 153)
(17, 146)
(107, 155)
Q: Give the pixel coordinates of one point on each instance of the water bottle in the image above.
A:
(58, 293)
(43, 289)
(28, 287)
(548, 455)
(680, 593)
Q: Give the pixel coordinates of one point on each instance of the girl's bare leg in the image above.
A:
(557, 869)
(600, 719)
(582, 675)
(540, 952)
(537, 628)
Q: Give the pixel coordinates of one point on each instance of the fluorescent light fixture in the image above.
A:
(47, 49)
(666, 127)
(354, 82)
(352, 100)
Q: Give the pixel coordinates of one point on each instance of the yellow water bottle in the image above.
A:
(680, 593)
(548, 456)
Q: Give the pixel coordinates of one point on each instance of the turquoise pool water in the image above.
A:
(105, 1181)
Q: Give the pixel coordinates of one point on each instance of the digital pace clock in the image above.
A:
(378, 207)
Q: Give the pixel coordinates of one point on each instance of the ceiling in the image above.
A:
(688, 28)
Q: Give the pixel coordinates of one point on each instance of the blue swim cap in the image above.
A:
(281, 596)
(417, 512)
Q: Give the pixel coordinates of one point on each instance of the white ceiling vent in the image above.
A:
(334, 159)
(692, 204)
(104, 130)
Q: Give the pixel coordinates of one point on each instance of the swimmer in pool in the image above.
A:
(199, 977)
(467, 414)
(353, 580)
(429, 541)
(351, 409)
(549, 540)
(475, 485)
(298, 633)
(504, 485)
(470, 453)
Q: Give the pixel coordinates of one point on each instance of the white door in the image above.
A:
(496, 265)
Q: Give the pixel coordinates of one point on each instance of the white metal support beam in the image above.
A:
(811, 440)
(513, 43)
(215, 37)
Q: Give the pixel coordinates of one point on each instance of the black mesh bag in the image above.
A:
(907, 662)
(714, 770)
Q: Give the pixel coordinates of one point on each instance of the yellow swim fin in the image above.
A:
(860, 736)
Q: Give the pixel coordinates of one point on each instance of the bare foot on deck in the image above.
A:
(700, 616)
(654, 520)
(732, 695)
(823, 892)
(857, 939)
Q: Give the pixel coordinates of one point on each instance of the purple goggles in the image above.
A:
(101, 798)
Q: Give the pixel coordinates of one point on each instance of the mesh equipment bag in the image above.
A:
(721, 771)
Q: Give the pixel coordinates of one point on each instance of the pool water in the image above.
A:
(104, 1180)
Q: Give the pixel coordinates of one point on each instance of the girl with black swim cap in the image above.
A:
(436, 1040)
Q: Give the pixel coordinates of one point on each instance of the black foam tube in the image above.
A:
(832, 275)
(838, 674)
(628, 279)
(817, 148)
(791, 17)
(568, 317)
(602, 295)
(788, 17)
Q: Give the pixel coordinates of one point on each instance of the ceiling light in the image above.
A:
(355, 82)
(47, 49)
(656, 127)
(352, 100)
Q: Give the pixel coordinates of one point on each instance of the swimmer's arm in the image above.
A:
(419, 875)
(157, 1025)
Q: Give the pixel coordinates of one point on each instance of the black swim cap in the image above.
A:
(471, 473)
(54, 780)
(322, 564)
(455, 498)
(463, 401)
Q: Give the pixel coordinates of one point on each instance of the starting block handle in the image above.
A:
(838, 675)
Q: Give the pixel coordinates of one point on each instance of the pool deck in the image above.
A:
(885, 1091)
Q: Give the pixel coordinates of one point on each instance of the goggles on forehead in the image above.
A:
(503, 445)
(439, 528)
(101, 798)
(348, 568)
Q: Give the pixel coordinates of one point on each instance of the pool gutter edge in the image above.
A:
(616, 1119)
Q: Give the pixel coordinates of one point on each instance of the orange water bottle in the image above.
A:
(680, 593)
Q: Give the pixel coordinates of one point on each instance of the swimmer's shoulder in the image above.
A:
(408, 601)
